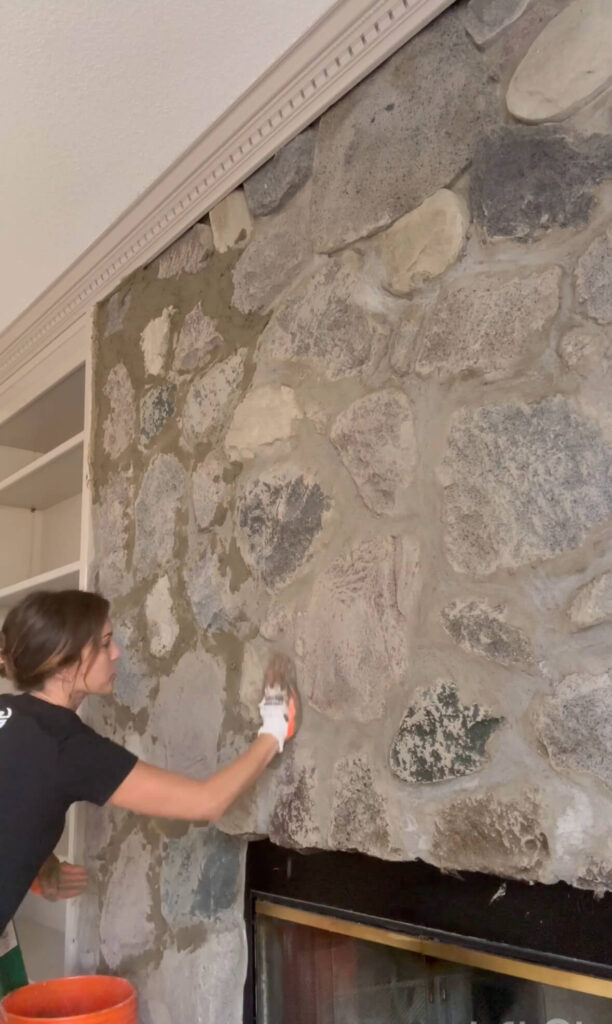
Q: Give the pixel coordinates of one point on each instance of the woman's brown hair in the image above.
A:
(47, 631)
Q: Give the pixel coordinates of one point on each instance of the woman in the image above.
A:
(58, 648)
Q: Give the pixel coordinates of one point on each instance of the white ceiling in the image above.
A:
(100, 97)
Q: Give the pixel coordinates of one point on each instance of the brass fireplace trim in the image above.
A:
(442, 950)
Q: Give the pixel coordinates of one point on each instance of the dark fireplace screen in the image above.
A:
(318, 969)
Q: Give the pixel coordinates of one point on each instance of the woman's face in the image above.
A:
(96, 673)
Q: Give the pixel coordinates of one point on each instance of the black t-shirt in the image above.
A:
(48, 760)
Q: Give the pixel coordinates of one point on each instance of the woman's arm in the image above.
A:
(154, 791)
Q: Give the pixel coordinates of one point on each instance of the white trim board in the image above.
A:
(339, 50)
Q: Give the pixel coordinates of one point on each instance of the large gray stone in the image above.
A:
(594, 278)
(485, 19)
(277, 254)
(208, 490)
(112, 524)
(501, 835)
(353, 633)
(120, 424)
(525, 181)
(282, 176)
(481, 628)
(326, 323)
(185, 720)
(403, 133)
(523, 483)
(375, 438)
(575, 726)
(162, 495)
(198, 341)
(215, 606)
(492, 325)
(187, 255)
(280, 513)
(359, 814)
(126, 927)
(578, 40)
(440, 738)
(156, 408)
(200, 876)
(593, 602)
(211, 399)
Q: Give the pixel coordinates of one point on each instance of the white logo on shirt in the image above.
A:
(4, 716)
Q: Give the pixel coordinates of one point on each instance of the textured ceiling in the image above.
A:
(99, 98)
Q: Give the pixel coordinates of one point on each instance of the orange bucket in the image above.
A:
(93, 999)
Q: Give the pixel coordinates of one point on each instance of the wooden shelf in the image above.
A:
(52, 478)
(64, 578)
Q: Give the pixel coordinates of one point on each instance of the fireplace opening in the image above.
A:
(346, 939)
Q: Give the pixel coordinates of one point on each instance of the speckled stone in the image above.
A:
(326, 324)
(593, 602)
(440, 738)
(359, 815)
(277, 254)
(526, 180)
(353, 633)
(594, 278)
(376, 441)
(498, 834)
(198, 341)
(292, 821)
(432, 99)
(282, 176)
(211, 399)
(215, 606)
(119, 426)
(508, 471)
(187, 255)
(162, 494)
(481, 628)
(281, 513)
(575, 726)
(577, 40)
(492, 325)
(588, 350)
(112, 524)
(156, 408)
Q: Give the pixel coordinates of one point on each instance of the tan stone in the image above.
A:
(267, 414)
(231, 222)
(593, 602)
(154, 341)
(424, 242)
(569, 62)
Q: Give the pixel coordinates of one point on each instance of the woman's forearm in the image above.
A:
(151, 790)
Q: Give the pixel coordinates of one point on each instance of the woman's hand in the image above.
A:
(59, 880)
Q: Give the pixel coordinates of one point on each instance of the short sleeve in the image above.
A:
(91, 767)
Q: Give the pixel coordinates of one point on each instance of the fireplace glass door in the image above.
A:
(312, 969)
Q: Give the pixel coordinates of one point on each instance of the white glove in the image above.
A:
(273, 711)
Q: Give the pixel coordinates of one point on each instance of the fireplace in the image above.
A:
(346, 939)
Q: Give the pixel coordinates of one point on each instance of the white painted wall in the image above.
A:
(99, 98)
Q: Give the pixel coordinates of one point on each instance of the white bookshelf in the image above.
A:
(43, 546)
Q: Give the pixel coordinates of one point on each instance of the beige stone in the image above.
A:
(154, 341)
(231, 222)
(267, 414)
(569, 62)
(424, 242)
(593, 602)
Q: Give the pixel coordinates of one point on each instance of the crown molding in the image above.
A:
(338, 51)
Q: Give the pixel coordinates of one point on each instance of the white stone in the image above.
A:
(593, 602)
(163, 628)
(424, 242)
(231, 222)
(125, 926)
(154, 341)
(570, 61)
(266, 415)
(119, 425)
(188, 254)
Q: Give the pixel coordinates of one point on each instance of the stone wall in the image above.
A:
(362, 414)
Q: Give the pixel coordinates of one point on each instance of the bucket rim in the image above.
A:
(124, 1004)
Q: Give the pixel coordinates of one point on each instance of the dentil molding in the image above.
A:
(337, 52)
